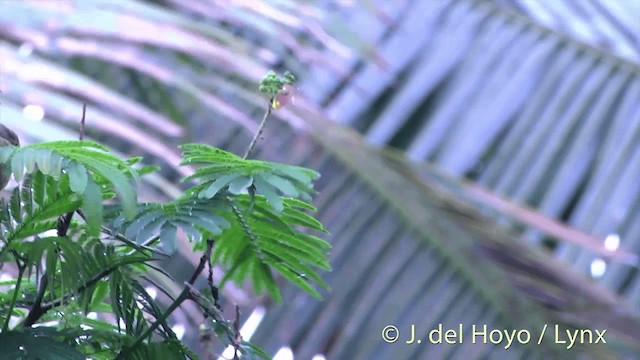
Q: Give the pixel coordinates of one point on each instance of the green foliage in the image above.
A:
(250, 208)
(63, 265)
(264, 234)
(262, 240)
(218, 169)
(271, 84)
(80, 170)
(36, 344)
(198, 218)
(75, 255)
(87, 156)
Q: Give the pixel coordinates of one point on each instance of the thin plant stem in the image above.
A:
(259, 132)
(16, 290)
(82, 121)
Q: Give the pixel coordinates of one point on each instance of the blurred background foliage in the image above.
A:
(511, 196)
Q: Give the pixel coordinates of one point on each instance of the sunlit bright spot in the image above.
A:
(612, 242)
(25, 49)
(6, 277)
(92, 315)
(51, 323)
(227, 353)
(318, 357)
(33, 112)
(49, 233)
(247, 330)
(267, 55)
(151, 291)
(9, 66)
(14, 321)
(598, 268)
(284, 353)
(179, 330)
(249, 327)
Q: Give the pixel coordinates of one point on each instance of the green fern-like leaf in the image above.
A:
(198, 218)
(81, 160)
(86, 168)
(35, 206)
(266, 240)
(221, 170)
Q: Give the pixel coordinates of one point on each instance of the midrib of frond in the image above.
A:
(424, 219)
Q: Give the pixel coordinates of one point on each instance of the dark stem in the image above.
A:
(212, 287)
(41, 310)
(212, 311)
(36, 309)
(63, 224)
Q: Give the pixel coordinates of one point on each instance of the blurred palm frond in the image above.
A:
(545, 130)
